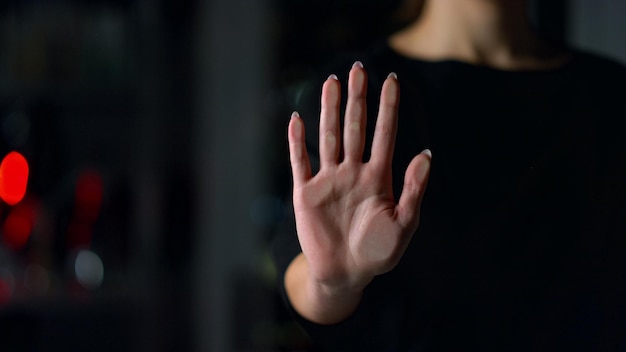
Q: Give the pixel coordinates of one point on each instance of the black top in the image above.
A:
(522, 240)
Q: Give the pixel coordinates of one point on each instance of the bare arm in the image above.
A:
(349, 225)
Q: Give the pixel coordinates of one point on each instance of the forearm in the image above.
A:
(314, 302)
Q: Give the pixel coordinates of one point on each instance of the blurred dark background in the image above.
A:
(153, 132)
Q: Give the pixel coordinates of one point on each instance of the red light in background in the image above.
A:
(5, 292)
(13, 178)
(88, 201)
(89, 193)
(18, 226)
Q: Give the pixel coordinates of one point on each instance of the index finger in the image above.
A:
(386, 123)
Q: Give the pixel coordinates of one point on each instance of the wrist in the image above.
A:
(319, 302)
(349, 289)
(333, 294)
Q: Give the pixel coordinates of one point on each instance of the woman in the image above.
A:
(518, 239)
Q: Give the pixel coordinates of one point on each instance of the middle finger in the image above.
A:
(356, 114)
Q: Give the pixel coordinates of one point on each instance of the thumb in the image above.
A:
(415, 180)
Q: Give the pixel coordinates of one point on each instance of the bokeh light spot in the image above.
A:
(13, 178)
(89, 269)
(18, 226)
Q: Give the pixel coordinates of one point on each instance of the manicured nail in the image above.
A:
(333, 76)
(393, 75)
(428, 153)
(295, 114)
(358, 64)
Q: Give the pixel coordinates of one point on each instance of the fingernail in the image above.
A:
(428, 153)
(358, 64)
(393, 75)
(333, 76)
(295, 114)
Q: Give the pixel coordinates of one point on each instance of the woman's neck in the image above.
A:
(494, 33)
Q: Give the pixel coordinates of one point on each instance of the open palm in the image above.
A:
(349, 225)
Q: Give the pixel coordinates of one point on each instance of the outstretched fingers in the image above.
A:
(298, 156)
(415, 180)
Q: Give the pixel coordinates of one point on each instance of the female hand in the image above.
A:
(349, 225)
